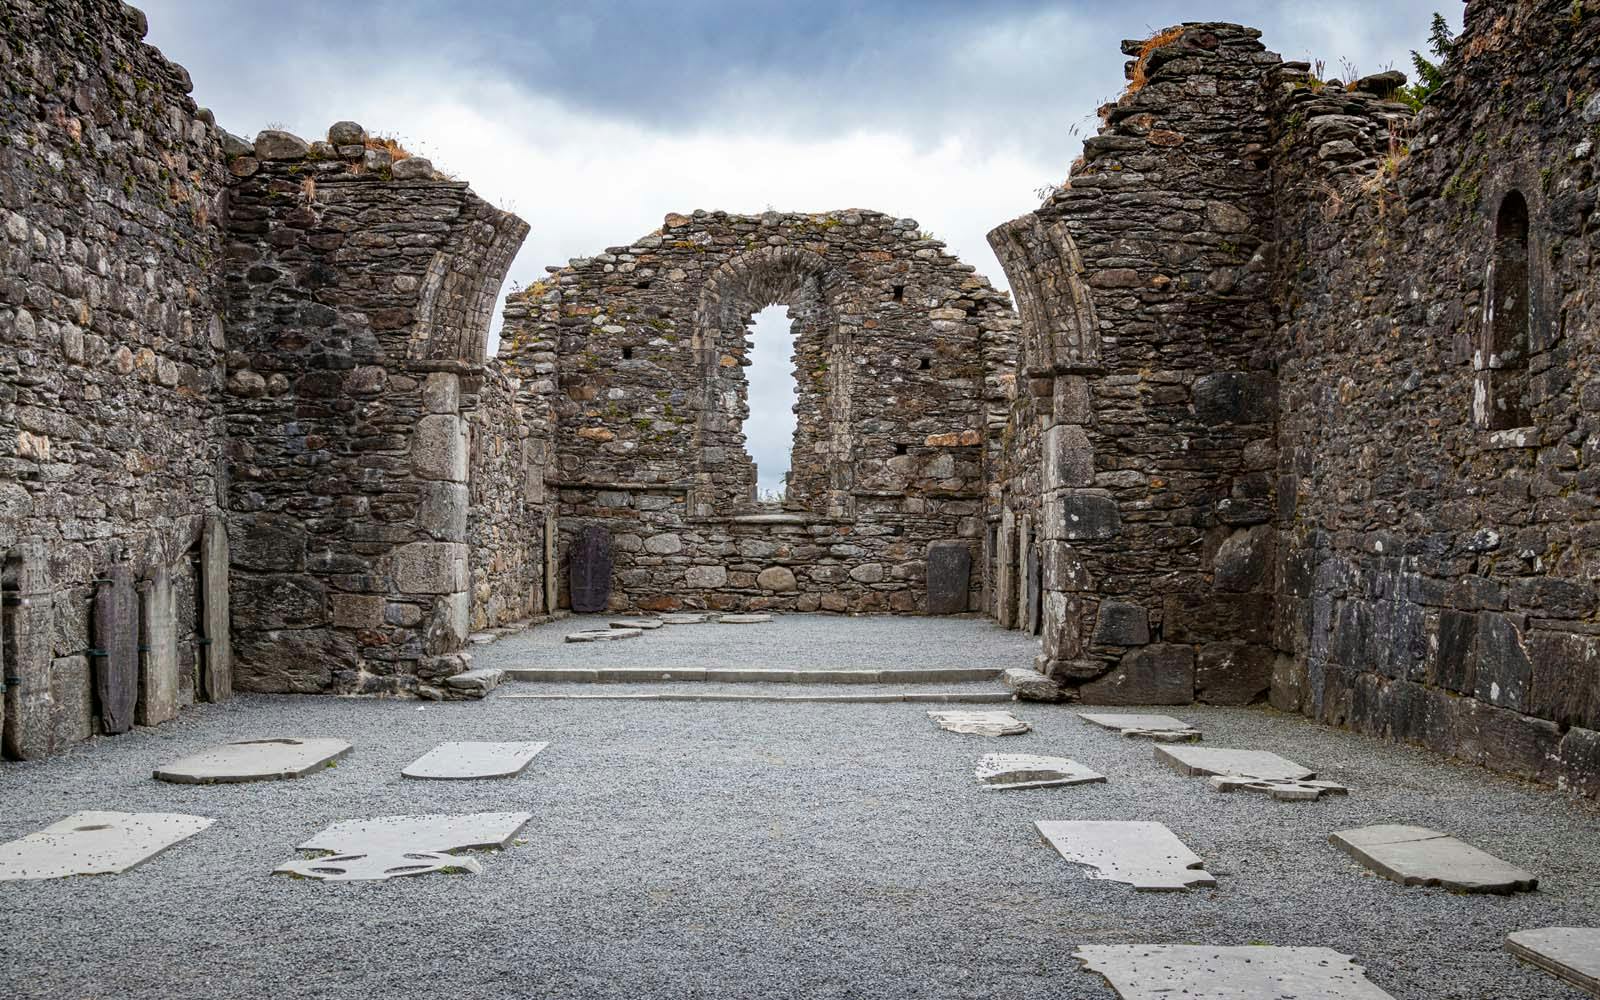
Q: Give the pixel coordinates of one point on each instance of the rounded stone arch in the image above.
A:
(724, 475)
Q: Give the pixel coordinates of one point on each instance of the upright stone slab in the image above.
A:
(1250, 972)
(216, 673)
(589, 580)
(1033, 593)
(949, 575)
(551, 578)
(1568, 953)
(30, 620)
(116, 652)
(158, 674)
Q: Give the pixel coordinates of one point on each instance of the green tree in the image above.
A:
(1430, 74)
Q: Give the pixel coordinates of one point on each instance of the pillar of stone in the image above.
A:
(30, 725)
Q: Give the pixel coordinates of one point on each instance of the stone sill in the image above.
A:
(1512, 437)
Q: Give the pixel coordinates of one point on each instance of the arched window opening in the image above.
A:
(1504, 362)
(769, 425)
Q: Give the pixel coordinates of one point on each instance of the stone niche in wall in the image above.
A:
(639, 354)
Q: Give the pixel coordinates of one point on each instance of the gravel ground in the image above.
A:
(790, 642)
(758, 850)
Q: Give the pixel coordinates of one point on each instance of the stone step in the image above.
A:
(939, 697)
(734, 675)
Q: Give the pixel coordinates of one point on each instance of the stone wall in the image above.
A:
(507, 513)
(639, 354)
(110, 365)
(1441, 401)
(359, 288)
(1140, 545)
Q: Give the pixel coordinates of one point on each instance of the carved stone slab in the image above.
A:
(1147, 856)
(1020, 770)
(254, 760)
(1283, 791)
(1250, 972)
(755, 619)
(1261, 765)
(1568, 953)
(979, 723)
(949, 575)
(468, 761)
(589, 582)
(116, 659)
(217, 646)
(648, 624)
(603, 634)
(685, 618)
(29, 731)
(158, 626)
(95, 843)
(1414, 855)
(1161, 728)
(386, 847)
(1032, 592)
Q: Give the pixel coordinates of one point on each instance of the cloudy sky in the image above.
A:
(593, 119)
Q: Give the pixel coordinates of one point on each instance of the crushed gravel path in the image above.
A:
(759, 850)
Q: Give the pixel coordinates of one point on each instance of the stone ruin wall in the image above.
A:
(360, 290)
(1377, 507)
(639, 354)
(111, 363)
(1439, 470)
(1142, 546)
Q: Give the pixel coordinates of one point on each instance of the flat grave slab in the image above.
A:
(95, 843)
(1283, 791)
(1147, 856)
(1021, 770)
(1162, 728)
(1415, 855)
(743, 619)
(647, 624)
(685, 618)
(1261, 765)
(385, 847)
(254, 760)
(603, 634)
(978, 723)
(1571, 954)
(472, 760)
(1251, 972)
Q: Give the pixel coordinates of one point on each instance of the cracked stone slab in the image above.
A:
(1251, 972)
(1161, 728)
(1415, 855)
(1147, 856)
(603, 634)
(1021, 770)
(1262, 765)
(1283, 791)
(466, 761)
(254, 760)
(743, 619)
(647, 624)
(980, 723)
(685, 618)
(385, 847)
(1571, 954)
(95, 843)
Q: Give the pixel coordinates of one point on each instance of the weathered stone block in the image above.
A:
(779, 579)
(1235, 398)
(1162, 674)
(267, 542)
(158, 674)
(1119, 623)
(1030, 685)
(1242, 560)
(589, 569)
(1217, 617)
(1068, 457)
(1502, 671)
(442, 511)
(1564, 686)
(429, 567)
(1233, 673)
(1063, 569)
(1089, 517)
(358, 610)
(705, 577)
(441, 392)
(439, 448)
(664, 544)
(216, 613)
(116, 658)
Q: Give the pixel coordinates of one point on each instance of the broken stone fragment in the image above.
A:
(393, 846)
(1030, 685)
(1568, 953)
(413, 168)
(979, 723)
(1162, 728)
(1147, 856)
(346, 133)
(1414, 855)
(603, 634)
(1017, 770)
(275, 145)
(1283, 791)
(1142, 971)
(254, 760)
(755, 619)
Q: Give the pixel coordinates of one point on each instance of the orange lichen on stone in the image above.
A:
(1138, 79)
